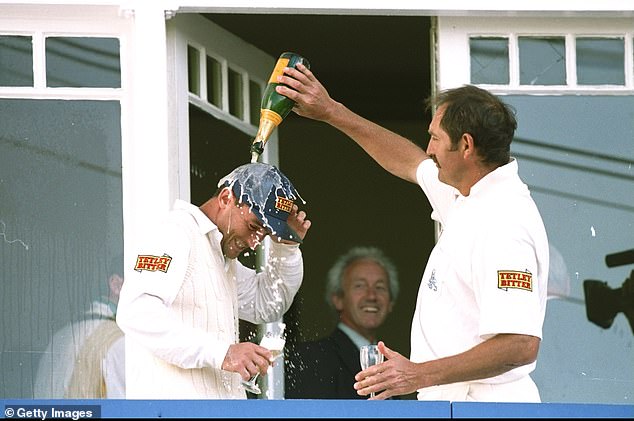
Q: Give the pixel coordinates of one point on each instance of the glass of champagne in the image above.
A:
(274, 341)
(370, 355)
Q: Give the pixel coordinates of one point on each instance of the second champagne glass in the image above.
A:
(370, 355)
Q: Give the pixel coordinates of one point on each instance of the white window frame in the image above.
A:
(89, 22)
(253, 64)
(454, 59)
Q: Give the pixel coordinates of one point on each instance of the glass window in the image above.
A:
(542, 60)
(16, 61)
(600, 61)
(61, 226)
(255, 100)
(489, 60)
(193, 70)
(83, 62)
(585, 192)
(214, 82)
(236, 94)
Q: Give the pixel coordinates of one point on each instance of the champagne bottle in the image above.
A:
(274, 107)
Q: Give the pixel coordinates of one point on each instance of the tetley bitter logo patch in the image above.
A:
(283, 204)
(152, 263)
(514, 279)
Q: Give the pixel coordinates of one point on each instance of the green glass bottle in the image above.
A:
(274, 107)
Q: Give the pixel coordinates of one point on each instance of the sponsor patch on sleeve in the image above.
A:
(152, 263)
(515, 279)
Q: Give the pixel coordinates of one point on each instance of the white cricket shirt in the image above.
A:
(180, 307)
(488, 272)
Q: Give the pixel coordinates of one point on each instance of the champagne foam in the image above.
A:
(273, 343)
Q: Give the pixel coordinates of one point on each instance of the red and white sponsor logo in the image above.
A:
(152, 263)
(515, 279)
(283, 204)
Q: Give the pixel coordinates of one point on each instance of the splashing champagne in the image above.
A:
(274, 107)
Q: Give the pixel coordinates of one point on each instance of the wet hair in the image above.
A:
(484, 116)
(335, 274)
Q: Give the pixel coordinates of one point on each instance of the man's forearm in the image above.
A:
(491, 358)
(395, 153)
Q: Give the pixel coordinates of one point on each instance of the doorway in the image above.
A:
(378, 66)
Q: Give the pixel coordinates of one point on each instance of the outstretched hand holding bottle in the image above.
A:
(309, 96)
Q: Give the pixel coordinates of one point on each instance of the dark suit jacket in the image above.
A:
(323, 369)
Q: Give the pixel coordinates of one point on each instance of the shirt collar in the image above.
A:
(205, 225)
(102, 309)
(358, 339)
(495, 176)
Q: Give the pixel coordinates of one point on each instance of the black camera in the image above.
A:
(604, 303)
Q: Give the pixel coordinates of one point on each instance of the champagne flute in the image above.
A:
(370, 355)
(275, 342)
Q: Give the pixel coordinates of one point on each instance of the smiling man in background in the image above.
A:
(362, 287)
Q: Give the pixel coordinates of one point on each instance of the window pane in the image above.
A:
(542, 61)
(83, 62)
(214, 82)
(61, 224)
(600, 61)
(193, 70)
(236, 89)
(255, 100)
(575, 153)
(16, 61)
(489, 60)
